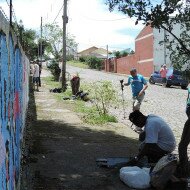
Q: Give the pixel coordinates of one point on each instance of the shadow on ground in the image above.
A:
(65, 157)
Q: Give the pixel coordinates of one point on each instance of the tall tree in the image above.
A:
(164, 15)
(27, 39)
(54, 35)
(29, 44)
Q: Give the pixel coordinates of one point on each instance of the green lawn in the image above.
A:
(79, 64)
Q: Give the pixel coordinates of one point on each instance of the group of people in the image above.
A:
(158, 138)
(35, 69)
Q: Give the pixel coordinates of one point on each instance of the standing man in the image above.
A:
(163, 72)
(40, 70)
(36, 75)
(138, 85)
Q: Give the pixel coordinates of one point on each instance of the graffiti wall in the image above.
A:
(14, 80)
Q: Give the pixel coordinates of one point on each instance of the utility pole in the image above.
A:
(11, 12)
(40, 49)
(65, 21)
(41, 42)
(107, 62)
(107, 50)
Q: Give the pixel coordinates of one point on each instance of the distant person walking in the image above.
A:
(36, 75)
(188, 102)
(138, 86)
(163, 72)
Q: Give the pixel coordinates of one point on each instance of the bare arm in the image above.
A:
(144, 88)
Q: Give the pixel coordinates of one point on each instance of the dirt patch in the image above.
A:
(61, 150)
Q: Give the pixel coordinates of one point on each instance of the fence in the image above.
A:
(123, 65)
(14, 80)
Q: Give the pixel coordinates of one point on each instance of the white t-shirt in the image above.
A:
(158, 131)
(36, 70)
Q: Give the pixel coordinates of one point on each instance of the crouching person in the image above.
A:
(159, 139)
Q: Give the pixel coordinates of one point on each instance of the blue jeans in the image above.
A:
(188, 111)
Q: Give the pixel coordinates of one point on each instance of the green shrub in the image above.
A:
(94, 62)
(55, 70)
(69, 57)
(104, 96)
(82, 58)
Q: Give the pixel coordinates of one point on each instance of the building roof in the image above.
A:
(94, 51)
(88, 50)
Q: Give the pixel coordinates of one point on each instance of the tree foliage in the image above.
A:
(53, 34)
(117, 54)
(27, 39)
(164, 15)
(94, 62)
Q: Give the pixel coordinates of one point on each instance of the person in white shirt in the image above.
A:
(36, 75)
(159, 138)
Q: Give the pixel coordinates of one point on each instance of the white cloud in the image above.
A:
(89, 21)
(93, 24)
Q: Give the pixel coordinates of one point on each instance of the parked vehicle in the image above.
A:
(173, 78)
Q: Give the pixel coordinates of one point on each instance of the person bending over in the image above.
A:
(159, 139)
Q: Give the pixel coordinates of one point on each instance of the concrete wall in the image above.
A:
(125, 64)
(161, 52)
(14, 79)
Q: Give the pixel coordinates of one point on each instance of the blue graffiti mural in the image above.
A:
(14, 78)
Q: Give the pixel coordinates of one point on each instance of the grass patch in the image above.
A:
(78, 64)
(51, 82)
(91, 115)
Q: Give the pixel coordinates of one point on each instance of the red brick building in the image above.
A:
(142, 60)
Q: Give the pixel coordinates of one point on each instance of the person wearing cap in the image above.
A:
(159, 139)
(163, 72)
(138, 86)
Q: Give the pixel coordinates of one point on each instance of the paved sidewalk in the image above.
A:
(63, 150)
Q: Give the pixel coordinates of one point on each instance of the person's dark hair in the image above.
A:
(135, 115)
(133, 70)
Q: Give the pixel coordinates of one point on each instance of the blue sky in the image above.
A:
(89, 21)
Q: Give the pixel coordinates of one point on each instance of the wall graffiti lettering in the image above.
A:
(14, 80)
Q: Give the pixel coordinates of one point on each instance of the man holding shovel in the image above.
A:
(138, 85)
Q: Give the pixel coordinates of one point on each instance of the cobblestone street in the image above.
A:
(169, 103)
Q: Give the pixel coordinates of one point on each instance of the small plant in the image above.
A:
(104, 95)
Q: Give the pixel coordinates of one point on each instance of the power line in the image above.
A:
(58, 14)
(99, 20)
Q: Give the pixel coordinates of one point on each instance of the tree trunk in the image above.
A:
(75, 84)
